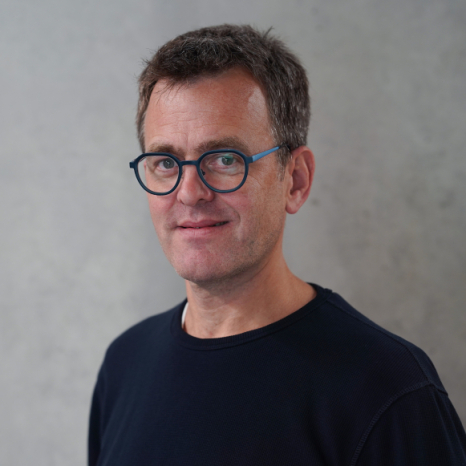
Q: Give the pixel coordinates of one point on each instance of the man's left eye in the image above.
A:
(225, 162)
(227, 159)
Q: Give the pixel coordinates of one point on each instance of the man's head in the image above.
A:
(213, 50)
(207, 236)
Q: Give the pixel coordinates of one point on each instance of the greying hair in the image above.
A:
(213, 50)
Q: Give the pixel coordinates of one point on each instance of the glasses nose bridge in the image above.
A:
(196, 163)
(189, 162)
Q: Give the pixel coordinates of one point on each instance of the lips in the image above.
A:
(203, 224)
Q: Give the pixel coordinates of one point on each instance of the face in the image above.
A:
(208, 236)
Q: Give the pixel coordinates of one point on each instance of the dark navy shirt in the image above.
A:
(322, 386)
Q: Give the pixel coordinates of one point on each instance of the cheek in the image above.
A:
(268, 190)
(257, 208)
(159, 208)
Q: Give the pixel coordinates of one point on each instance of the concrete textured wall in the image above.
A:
(385, 224)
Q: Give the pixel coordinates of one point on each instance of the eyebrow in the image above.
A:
(230, 142)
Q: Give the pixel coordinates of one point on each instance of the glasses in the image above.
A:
(222, 170)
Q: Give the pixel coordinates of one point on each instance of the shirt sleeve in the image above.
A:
(421, 428)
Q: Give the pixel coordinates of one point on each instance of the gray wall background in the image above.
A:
(384, 226)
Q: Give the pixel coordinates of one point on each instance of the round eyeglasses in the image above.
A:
(222, 170)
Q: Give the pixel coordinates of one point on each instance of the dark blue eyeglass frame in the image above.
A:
(197, 164)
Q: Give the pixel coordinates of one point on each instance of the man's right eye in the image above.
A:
(166, 164)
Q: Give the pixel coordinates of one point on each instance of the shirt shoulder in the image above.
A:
(382, 352)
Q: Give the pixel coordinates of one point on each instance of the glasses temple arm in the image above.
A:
(267, 152)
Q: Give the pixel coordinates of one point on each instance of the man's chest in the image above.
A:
(230, 413)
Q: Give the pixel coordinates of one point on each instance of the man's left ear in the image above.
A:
(299, 173)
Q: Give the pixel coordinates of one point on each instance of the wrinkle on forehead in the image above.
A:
(223, 143)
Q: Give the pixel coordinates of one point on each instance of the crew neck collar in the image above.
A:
(195, 343)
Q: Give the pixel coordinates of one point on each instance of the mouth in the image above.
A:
(207, 225)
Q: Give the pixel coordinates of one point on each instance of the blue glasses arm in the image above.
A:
(262, 154)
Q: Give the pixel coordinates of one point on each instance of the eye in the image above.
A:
(222, 164)
(227, 159)
(223, 161)
(166, 164)
(160, 165)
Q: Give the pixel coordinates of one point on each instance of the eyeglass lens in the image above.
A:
(222, 171)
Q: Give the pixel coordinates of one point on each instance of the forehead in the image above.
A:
(228, 105)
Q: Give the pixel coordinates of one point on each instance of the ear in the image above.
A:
(300, 172)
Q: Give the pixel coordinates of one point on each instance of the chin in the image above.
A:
(201, 275)
(209, 272)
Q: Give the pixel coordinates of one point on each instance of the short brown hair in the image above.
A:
(213, 50)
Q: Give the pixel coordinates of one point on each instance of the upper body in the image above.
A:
(323, 386)
(222, 120)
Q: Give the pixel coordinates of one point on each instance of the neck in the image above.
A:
(246, 302)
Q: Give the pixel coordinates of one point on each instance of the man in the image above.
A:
(257, 367)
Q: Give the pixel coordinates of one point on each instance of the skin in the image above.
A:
(236, 276)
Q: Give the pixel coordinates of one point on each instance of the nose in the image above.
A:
(191, 189)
